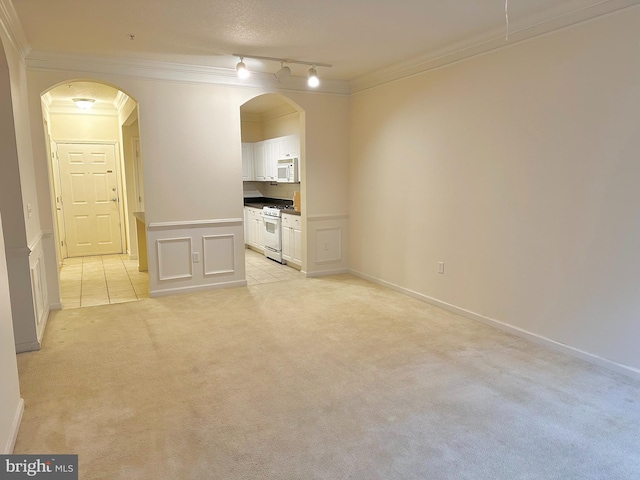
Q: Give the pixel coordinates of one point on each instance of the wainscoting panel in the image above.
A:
(174, 258)
(326, 244)
(218, 253)
(39, 288)
(197, 255)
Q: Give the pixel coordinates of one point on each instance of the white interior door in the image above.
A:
(90, 200)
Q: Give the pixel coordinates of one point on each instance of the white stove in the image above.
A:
(275, 210)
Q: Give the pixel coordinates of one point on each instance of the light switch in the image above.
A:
(196, 257)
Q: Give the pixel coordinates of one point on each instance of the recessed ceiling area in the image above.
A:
(356, 37)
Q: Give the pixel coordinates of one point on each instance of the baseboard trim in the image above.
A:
(533, 337)
(324, 273)
(133, 257)
(15, 428)
(27, 347)
(55, 306)
(198, 288)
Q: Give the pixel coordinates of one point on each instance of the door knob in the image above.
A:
(114, 199)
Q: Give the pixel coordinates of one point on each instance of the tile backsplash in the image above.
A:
(267, 189)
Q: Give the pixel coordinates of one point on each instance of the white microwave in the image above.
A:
(288, 170)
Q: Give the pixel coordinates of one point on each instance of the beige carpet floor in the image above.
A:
(331, 378)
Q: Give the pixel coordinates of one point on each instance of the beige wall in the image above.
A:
(281, 126)
(84, 126)
(251, 131)
(519, 170)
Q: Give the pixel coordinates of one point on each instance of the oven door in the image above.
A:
(272, 235)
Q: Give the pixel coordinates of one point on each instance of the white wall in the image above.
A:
(519, 169)
(19, 203)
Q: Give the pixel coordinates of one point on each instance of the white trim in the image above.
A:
(34, 243)
(324, 273)
(519, 332)
(48, 61)
(15, 428)
(560, 17)
(327, 216)
(13, 28)
(197, 288)
(193, 223)
(27, 347)
(55, 306)
(159, 243)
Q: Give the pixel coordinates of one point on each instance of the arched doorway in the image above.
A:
(96, 183)
(272, 133)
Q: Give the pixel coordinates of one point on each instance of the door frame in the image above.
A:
(57, 193)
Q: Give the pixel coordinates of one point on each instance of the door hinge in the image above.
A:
(62, 243)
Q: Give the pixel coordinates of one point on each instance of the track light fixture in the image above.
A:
(285, 71)
(313, 81)
(282, 74)
(241, 68)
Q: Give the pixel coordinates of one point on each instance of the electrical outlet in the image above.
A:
(440, 267)
(196, 257)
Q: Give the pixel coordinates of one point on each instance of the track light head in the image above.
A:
(241, 69)
(283, 74)
(313, 80)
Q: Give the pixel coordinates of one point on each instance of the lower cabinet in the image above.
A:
(292, 239)
(253, 229)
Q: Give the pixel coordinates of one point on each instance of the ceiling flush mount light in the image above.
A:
(313, 81)
(285, 72)
(83, 103)
(241, 68)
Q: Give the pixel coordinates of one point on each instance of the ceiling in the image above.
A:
(357, 37)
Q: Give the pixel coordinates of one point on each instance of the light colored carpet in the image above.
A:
(331, 378)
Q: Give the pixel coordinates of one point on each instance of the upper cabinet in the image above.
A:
(288, 146)
(247, 162)
(260, 159)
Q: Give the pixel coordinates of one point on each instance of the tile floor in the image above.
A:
(102, 279)
(99, 280)
(262, 270)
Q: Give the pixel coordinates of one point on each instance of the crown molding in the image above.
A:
(85, 65)
(533, 26)
(13, 28)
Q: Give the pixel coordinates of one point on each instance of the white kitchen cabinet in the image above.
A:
(247, 226)
(289, 146)
(247, 162)
(292, 239)
(259, 161)
(254, 230)
(271, 151)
